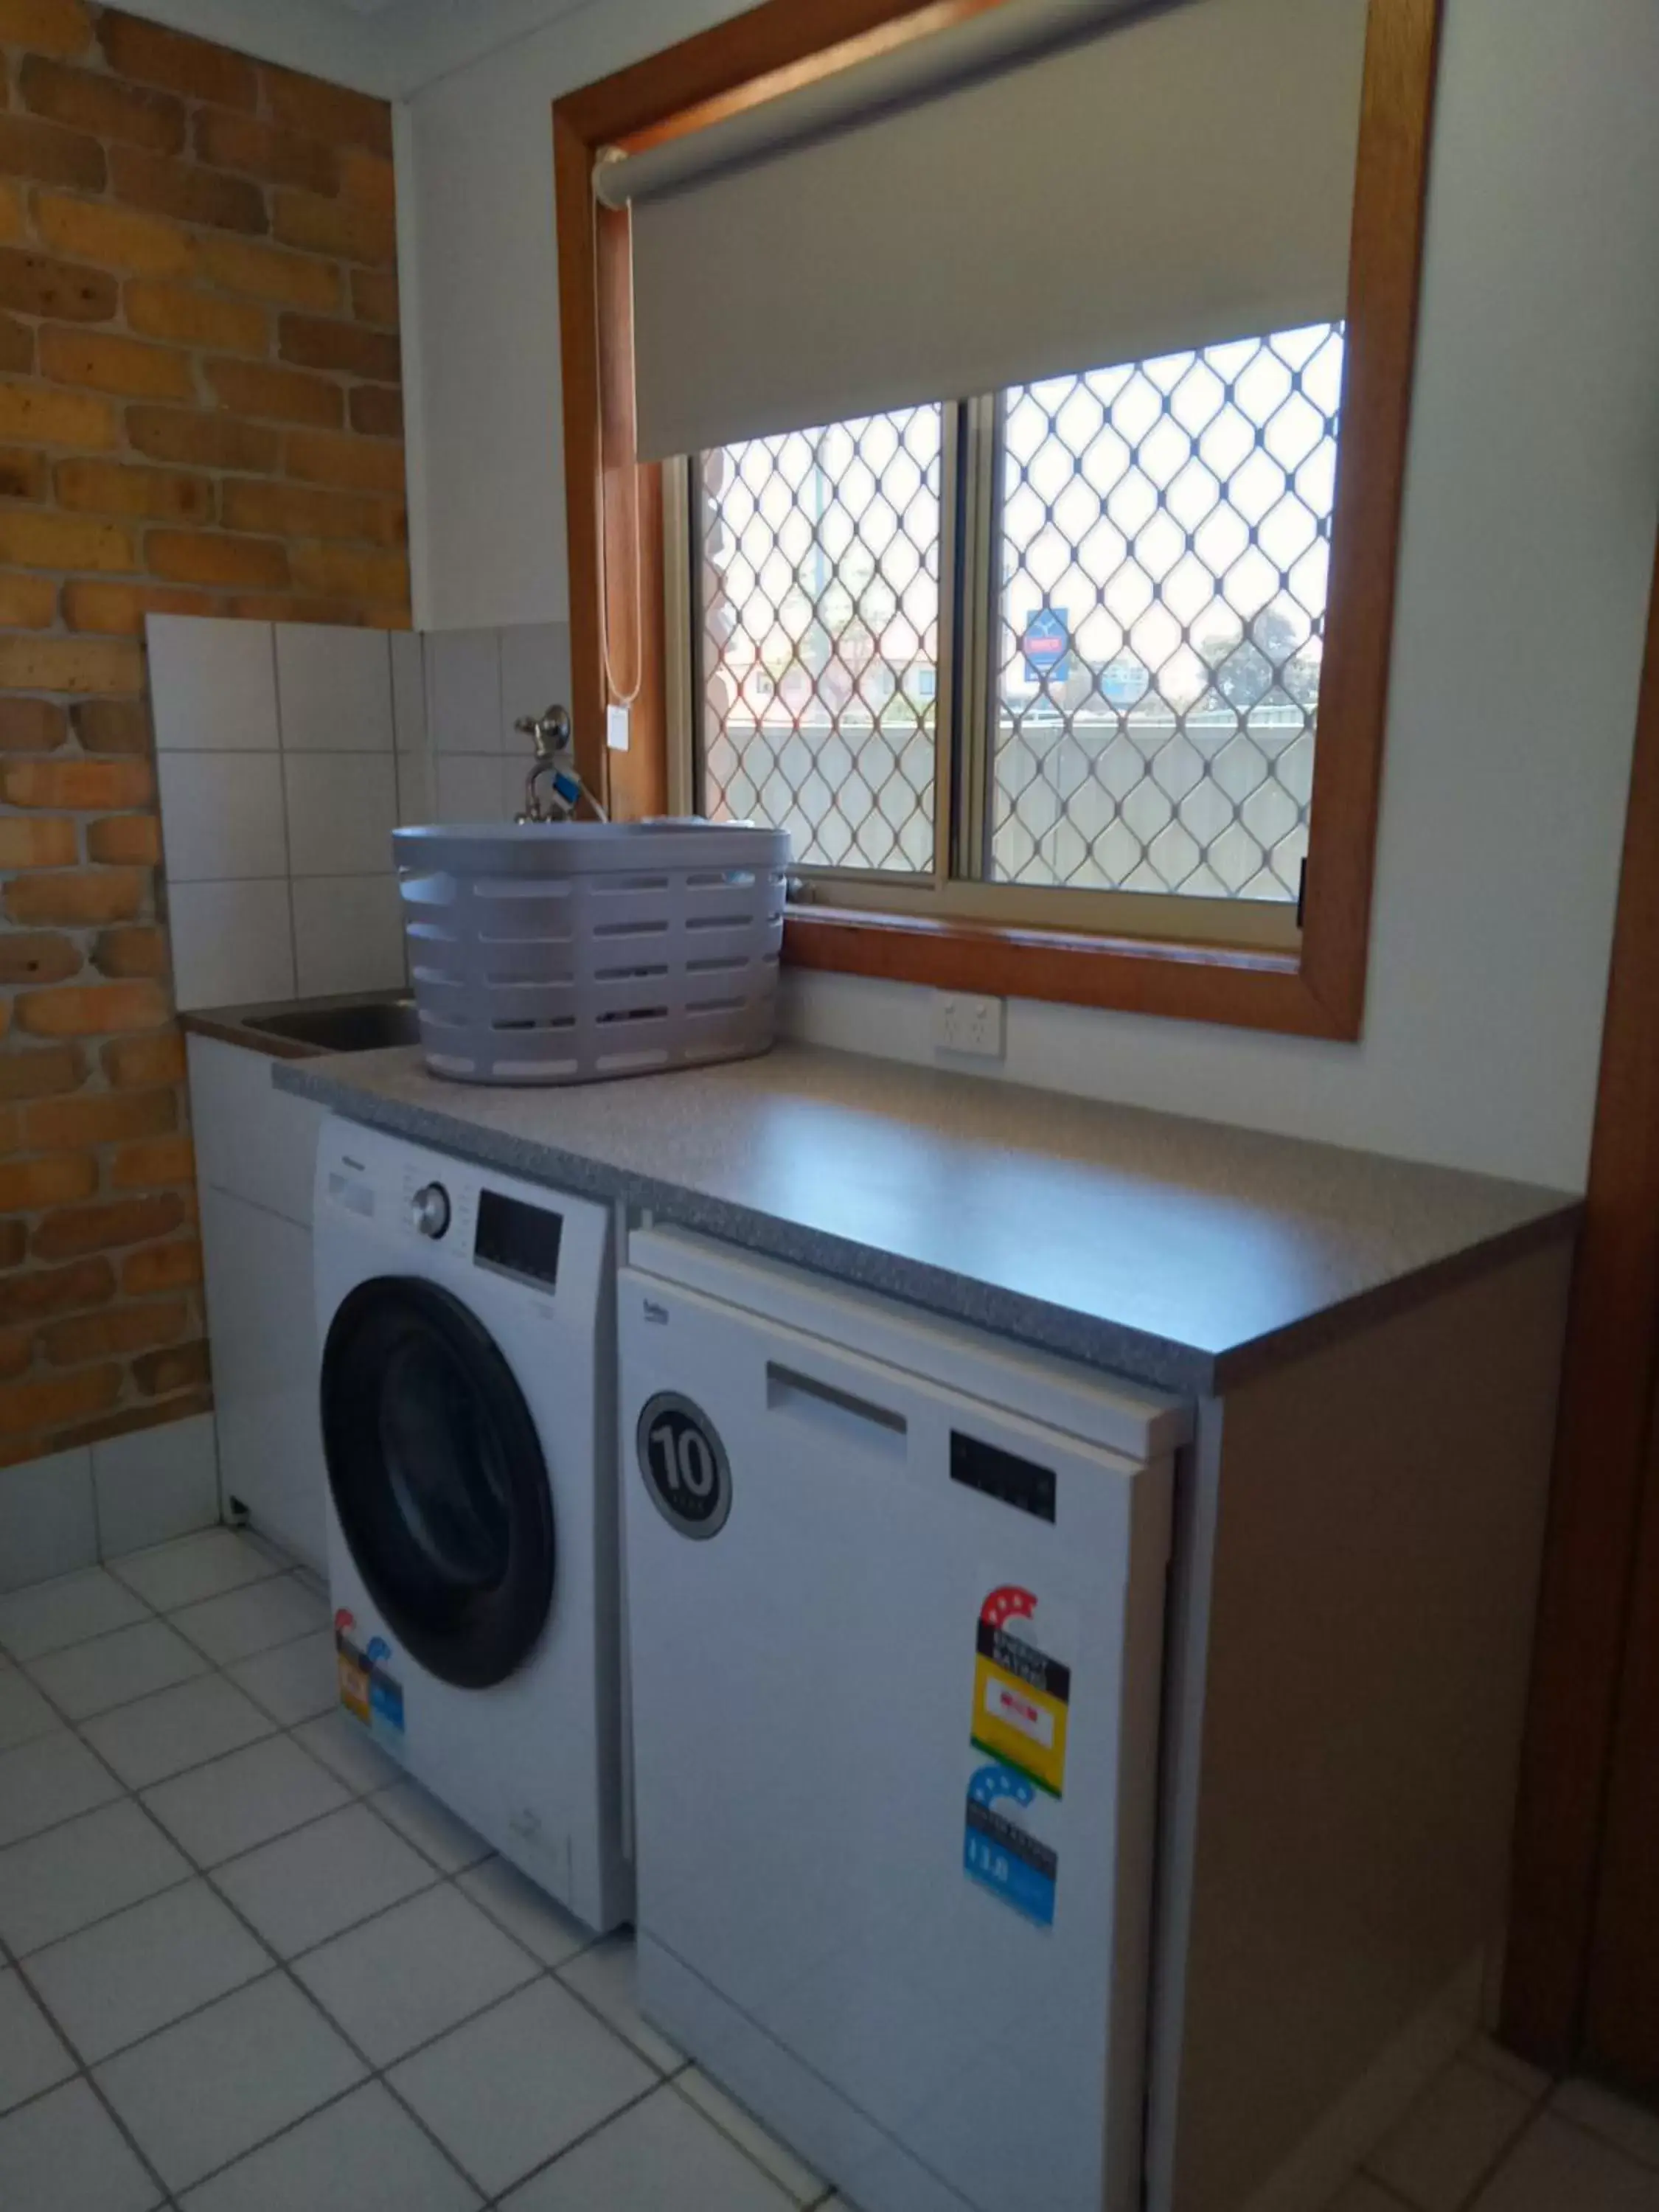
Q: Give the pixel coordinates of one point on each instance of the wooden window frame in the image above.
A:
(614, 509)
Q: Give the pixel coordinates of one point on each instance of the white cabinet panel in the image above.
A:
(265, 1370)
(250, 1137)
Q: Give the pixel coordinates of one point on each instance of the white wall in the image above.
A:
(1528, 553)
(477, 222)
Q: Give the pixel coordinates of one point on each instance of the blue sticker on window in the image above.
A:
(1003, 1857)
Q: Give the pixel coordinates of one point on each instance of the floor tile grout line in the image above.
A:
(1495, 2164)
(210, 1666)
(132, 1794)
(282, 1967)
(1363, 2173)
(83, 2074)
(153, 1612)
(286, 1966)
(1488, 2172)
(1643, 2163)
(212, 1867)
(274, 1964)
(498, 1921)
(522, 2180)
(210, 1663)
(1536, 2101)
(444, 1878)
(372, 2072)
(101, 1919)
(120, 1704)
(379, 1913)
(720, 2129)
(540, 1971)
(124, 1787)
(1478, 2052)
(121, 2049)
(258, 1651)
(111, 1571)
(98, 1636)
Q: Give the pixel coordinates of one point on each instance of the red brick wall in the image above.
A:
(199, 414)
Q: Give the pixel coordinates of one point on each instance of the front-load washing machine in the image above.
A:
(466, 1399)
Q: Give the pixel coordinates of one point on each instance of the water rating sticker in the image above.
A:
(368, 1690)
(1022, 1686)
(385, 1693)
(1001, 1853)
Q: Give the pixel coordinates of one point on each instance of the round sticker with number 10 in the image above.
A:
(685, 1465)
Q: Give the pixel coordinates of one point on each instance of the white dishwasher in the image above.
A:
(895, 1597)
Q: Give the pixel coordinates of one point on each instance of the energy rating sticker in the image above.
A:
(368, 1692)
(1003, 1857)
(1022, 1690)
(353, 1665)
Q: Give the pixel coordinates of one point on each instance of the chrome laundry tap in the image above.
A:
(553, 735)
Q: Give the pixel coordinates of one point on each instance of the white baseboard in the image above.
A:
(68, 1511)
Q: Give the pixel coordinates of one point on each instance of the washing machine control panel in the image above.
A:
(429, 1211)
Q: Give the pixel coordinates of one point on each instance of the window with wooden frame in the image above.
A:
(1074, 688)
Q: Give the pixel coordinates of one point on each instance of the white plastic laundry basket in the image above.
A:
(569, 952)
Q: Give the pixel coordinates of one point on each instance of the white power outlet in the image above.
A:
(963, 1022)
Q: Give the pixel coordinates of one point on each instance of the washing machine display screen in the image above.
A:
(517, 1239)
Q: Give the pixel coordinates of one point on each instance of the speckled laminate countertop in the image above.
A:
(1176, 1252)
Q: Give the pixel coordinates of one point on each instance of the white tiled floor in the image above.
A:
(1494, 2135)
(246, 1966)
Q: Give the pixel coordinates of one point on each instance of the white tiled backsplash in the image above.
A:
(286, 752)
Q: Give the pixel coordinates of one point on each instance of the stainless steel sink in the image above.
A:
(363, 1028)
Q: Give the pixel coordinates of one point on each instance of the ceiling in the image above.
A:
(391, 47)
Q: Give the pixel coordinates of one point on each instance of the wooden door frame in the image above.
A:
(1603, 1469)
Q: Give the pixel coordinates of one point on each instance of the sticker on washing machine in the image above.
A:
(1023, 1684)
(368, 1690)
(1001, 1853)
(353, 1666)
(385, 1701)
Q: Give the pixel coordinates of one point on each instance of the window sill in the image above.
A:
(1241, 987)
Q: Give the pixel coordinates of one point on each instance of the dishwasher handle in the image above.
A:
(841, 1413)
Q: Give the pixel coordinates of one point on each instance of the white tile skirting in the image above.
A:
(72, 1508)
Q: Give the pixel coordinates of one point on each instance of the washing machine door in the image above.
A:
(438, 1479)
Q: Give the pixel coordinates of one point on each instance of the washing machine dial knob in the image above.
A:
(429, 1210)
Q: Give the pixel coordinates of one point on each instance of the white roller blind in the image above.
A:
(1182, 176)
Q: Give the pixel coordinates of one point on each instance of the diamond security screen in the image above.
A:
(819, 637)
(1165, 544)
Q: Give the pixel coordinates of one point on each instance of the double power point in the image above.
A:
(969, 1025)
